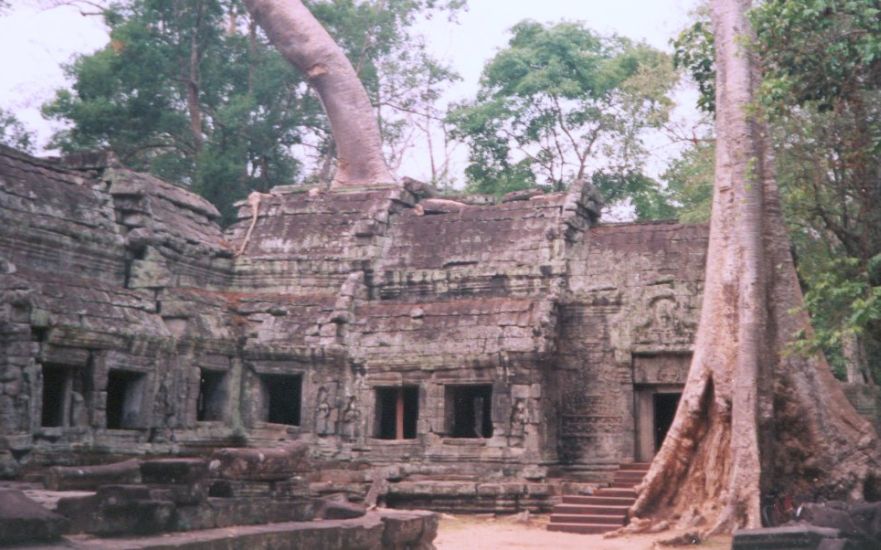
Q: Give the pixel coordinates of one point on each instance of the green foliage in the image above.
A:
(13, 133)
(822, 86)
(694, 53)
(819, 50)
(843, 303)
(132, 97)
(561, 103)
(193, 92)
(821, 93)
(644, 194)
(690, 182)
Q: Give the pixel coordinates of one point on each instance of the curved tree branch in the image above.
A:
(302, 40)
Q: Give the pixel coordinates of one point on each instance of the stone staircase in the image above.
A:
(605, 510)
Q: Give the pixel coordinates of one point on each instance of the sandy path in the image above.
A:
(477, 533)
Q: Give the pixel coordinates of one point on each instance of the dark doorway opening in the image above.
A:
(468, 410)
(212, 396)
(665, 410)
(124, 396)
(397, 410)
(55, 382)
(285, 395)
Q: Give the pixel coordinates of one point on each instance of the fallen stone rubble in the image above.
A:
(234, 498)
(820, 526)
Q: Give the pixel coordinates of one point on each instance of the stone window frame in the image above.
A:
(261, 377)
(142, 383)
(449, 411)
(224, 387)
(377, 412)
(78, 369)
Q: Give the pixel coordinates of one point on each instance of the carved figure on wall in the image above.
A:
(519, 420)
(666, 321)
(79, 414)
(324, 424)
(351, 419)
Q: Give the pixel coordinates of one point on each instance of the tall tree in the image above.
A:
(752, 417)
(193, 91)
(823, 85)
(403, 81)
(184, 91)
(562, 103)
(821, 63)
(306, 44)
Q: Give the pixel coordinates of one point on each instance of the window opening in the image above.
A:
(125, 391)
(468, 411)
(212, 396)
(63, 402)
(285, 395)
(397, 410)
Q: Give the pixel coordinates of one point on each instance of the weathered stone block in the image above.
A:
(414, 530)
(338, 507)
(140, 517)
(185, 494)
(80, 512)
(860, 522)
(261, 464)
(117, 495)
(795, 537)
(174, 470)
(67, 478)
(227, 512)
(23, 520)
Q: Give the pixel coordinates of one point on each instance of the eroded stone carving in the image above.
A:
(324, 412)
(518, 423)
(351, 420)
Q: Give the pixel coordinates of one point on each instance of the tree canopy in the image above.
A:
(562, 103)
(193, 92)
(821, 65)
(13, 133)
(741, 433)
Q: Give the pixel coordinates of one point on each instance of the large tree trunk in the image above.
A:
(754, 418)
(306, 44)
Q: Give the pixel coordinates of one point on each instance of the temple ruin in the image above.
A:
(381, 325)
(467, 355)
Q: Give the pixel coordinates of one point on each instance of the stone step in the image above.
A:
(598, 500)
(590, 510)
(581, 528)
(635, 467)
(593, 520)
(626, 482)
(617, 492)
(605, 510)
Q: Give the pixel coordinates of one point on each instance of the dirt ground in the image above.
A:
(489, 533)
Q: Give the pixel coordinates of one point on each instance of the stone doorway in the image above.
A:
(655, 410)
(665, 410)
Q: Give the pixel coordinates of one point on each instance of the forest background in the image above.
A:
(192, 92)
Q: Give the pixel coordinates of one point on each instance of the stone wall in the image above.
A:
(381, 324)
(628, 319)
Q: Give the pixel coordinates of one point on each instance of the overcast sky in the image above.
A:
(36, 42)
